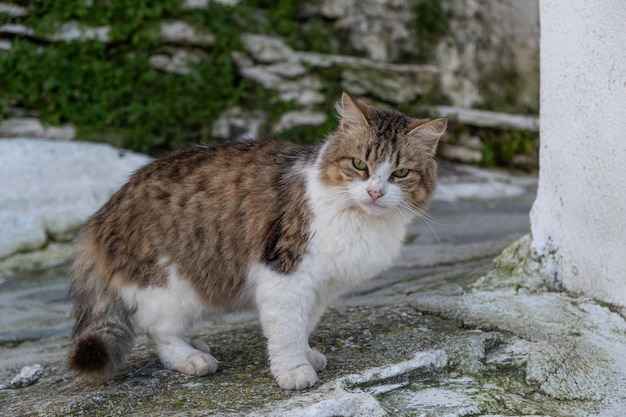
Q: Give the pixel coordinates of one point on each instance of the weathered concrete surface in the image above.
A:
(434, 336)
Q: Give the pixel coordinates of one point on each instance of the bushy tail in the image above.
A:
(103, 333)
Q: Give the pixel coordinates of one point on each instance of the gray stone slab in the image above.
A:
(49, 188)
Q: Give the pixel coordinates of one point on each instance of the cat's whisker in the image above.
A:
(421, 214)
(342, 193)
(401, 203)
(427, 223)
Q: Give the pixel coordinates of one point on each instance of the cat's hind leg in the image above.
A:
(179, 354)
(317, 359)
(166, 313)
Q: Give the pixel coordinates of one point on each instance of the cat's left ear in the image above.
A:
(429, 132)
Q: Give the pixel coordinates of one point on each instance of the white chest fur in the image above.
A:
(349, 246)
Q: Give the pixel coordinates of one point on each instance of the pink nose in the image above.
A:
(375, 187)
(375, 194)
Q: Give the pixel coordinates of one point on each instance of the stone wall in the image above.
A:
(486, 51)
(490, 55)
(401, 53)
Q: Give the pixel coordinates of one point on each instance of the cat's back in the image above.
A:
(203, 209)
(193, 179)
(262, 160)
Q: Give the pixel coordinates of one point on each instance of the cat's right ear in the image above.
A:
(429, 132)
(352, 113)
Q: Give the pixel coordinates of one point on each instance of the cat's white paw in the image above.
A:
(317, 359)
(180, 355)
(299, 378)
(198, 364)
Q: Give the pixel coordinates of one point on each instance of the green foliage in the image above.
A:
(5, 18)
(500, 147)
(111, 92)
(431, 23)
(125, 17)
(282, 15)
(284, 18)
(122, 98)
(501, 87)
(434, 95)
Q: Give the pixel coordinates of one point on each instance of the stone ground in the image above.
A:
(446, 332)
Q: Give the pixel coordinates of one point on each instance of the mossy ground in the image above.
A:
(364, 331)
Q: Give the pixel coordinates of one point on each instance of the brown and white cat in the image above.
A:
(275, 226)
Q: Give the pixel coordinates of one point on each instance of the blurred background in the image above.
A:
(152, 76)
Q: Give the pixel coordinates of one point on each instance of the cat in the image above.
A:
(268, 225)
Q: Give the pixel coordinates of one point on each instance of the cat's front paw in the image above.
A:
(300, 378)
(317, 359)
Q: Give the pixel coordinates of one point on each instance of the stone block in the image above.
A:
(48, 188)
(32, 127)
(180, 32)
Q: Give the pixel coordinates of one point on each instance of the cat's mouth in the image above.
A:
(374, 207)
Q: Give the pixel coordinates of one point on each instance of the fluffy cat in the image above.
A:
(275, 226)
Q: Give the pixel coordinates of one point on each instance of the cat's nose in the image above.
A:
(376, 187)
(375, 194)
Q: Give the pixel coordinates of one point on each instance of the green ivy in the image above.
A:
(123, 99)
(125, 17)
(431, 23)
(110, 91)
(501, 88)
(500, 147)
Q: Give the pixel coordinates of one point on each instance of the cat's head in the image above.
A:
(383, 161)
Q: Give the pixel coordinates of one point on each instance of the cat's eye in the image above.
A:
(358, 164)
(400, 173)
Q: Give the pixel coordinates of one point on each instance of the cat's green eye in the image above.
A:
(400, 173)
(358, 164)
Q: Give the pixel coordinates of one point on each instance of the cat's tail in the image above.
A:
(103, 333)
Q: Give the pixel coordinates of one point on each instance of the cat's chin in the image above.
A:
(374, 208)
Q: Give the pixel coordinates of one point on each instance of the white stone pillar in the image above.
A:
(579, 217)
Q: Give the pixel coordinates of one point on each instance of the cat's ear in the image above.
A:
(352, 113)
(429, 132)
